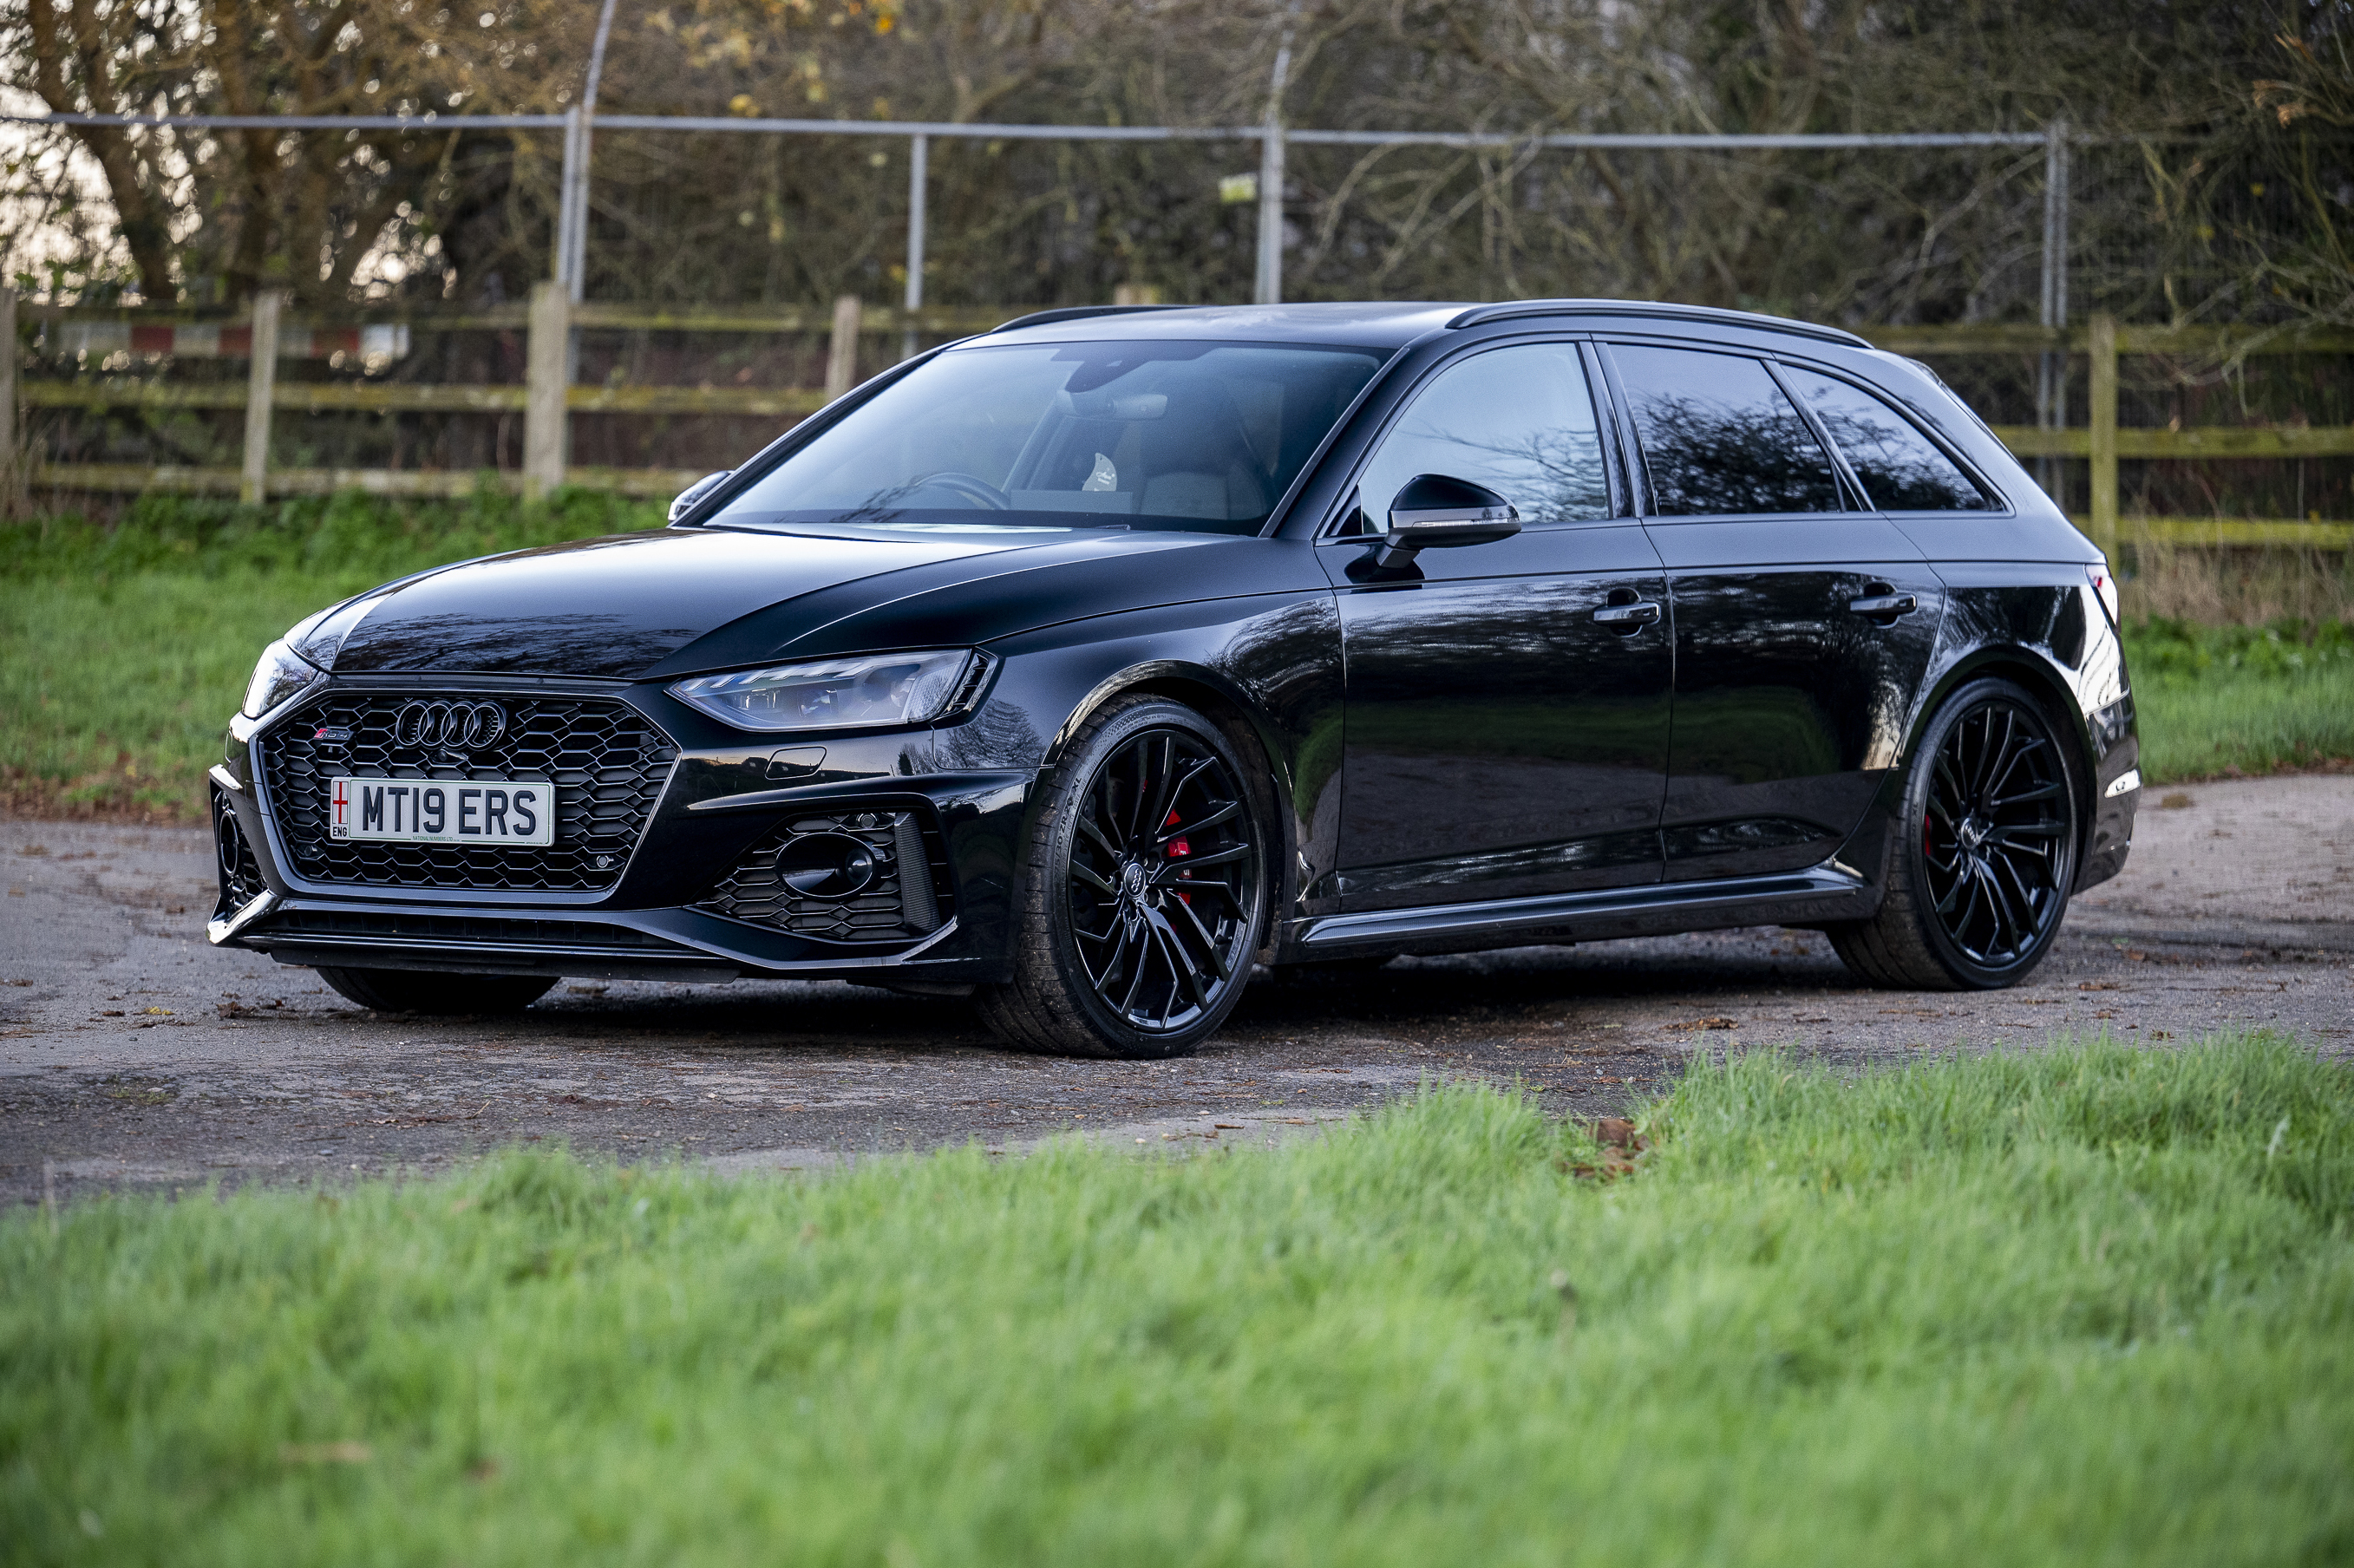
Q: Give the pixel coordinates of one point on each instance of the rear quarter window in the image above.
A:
(1901, 469)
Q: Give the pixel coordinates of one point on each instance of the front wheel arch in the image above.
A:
(1223, 704)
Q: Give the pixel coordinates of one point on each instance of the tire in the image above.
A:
(1985, 850)
(1133, 940)
(428, 991)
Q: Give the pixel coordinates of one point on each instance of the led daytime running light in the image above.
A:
(878, 691)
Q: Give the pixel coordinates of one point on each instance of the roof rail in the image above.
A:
(1075, 313)
(1480, 316)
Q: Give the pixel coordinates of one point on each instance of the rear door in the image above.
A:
(1804, 619)
(1507, 718)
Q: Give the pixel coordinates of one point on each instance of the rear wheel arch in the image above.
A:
(2034, 673)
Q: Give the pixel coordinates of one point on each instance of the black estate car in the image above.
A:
(1080, 666)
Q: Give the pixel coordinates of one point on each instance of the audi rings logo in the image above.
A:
(453, 726)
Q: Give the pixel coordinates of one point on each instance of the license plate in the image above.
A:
(442, 811)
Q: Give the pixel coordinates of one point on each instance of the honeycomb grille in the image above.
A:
(241, 874)
(607, 760)
(907, 898)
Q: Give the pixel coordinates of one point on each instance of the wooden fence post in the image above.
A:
(260, 381)
(2104, 347)
(9, 475)
(546, 362)
(842, 356)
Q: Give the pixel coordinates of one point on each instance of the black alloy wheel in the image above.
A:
(1987, 850)
(1992, 834)
(1146, 894)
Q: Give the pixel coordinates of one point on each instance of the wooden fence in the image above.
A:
(547, 399)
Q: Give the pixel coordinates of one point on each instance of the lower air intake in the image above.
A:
(851, 877)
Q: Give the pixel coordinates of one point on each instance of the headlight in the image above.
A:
(282, 673)
(875, 692)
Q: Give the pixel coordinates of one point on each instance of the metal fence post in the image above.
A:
(8, 453)
(919, 157)
(1269, 289)
(261, 382)
(546, 354)
(2104, 412)
(2051, 374)
(841, 355)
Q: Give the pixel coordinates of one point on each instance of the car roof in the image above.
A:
(1369, 324)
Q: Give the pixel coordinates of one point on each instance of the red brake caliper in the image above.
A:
(1179, 850)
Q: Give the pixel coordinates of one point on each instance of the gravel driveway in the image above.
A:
(132, 1055)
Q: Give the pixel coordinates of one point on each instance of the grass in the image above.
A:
(124, 648)
(2091, 1305)
(2226, 700)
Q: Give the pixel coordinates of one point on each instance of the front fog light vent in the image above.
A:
(859, 876)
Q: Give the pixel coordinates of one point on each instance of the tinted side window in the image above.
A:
(1901, 469)
(1719, 436)
(1518, 421)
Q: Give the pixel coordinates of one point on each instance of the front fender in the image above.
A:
(1268, 666)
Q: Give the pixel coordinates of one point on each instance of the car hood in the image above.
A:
(608, 607)
(682, 601)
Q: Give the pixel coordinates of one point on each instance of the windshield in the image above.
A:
(1202, 437)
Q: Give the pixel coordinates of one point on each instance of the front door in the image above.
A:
(1507, 704)
(1803, 620)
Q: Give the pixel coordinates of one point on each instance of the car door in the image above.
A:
(1506, 726)
(1804, 622)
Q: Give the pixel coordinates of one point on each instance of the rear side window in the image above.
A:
(1902, 469)
(1719, 438)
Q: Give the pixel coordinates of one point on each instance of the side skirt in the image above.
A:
(1828, 891)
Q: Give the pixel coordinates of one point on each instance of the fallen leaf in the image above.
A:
(1702, 1023)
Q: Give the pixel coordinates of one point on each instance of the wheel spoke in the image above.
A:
(2044, 791)
(1945, 774)
(1172, 953)
(1199, 824)
(1197, 861)
(1149, 816)
(2008, 927)
(1209, 944)
(1135, 978)
(1092, 880)
(1096, 833)
(2045, 829)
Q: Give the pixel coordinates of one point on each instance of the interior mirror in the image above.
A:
(694, 492)
(1434, 511)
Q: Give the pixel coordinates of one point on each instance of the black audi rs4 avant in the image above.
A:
(1082, 666)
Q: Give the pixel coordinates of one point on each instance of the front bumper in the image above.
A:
(679, 908)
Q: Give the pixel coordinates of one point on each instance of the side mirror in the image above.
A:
(1435, 512)
(686, 499)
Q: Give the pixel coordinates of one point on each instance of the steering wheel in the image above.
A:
(976, 492)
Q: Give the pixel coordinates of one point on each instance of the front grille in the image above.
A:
(460, 930)
(607, 760)
(241, 874)
(905, 892)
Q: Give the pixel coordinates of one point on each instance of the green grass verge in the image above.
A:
(2219, 700)
(123, 650)
(2091, 1305)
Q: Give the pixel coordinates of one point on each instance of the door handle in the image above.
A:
(1890, 605)
(1628, 618)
